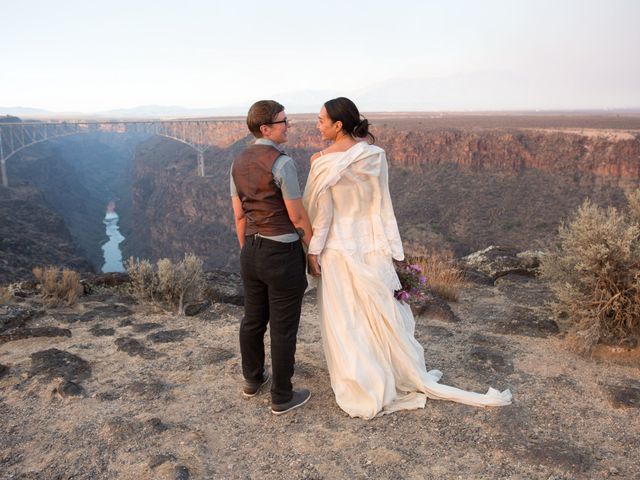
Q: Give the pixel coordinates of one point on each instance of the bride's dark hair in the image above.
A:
(344, 110)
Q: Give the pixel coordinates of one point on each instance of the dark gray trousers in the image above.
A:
(273, 274)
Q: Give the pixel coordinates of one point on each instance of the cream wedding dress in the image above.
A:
(375, 364)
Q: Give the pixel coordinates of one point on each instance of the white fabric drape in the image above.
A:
(375, 364)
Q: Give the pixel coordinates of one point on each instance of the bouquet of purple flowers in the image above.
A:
(411, 279)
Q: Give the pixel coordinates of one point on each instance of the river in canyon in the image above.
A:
(111, 248)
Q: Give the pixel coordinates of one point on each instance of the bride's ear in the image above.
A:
(338, 125)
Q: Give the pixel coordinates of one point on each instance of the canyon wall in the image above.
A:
(33, 235)
(460, 189)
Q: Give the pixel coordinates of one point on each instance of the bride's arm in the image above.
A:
(388, 217)
(320, 227)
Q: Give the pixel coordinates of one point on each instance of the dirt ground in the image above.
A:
(143, 394)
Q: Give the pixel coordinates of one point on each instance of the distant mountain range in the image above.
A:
(497, 91)
(144, 111)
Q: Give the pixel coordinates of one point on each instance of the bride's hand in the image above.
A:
(314, 265)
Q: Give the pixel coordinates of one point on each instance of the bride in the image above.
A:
(375, 364)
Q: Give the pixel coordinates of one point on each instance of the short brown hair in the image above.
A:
(262, 113)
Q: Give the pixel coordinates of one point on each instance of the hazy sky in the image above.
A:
(87, 56)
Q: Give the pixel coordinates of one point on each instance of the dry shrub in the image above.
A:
(173, 284)
(5, 296)
(143, 280)
(57, 286)
(443, 276)
(595, 273)
(634, 206)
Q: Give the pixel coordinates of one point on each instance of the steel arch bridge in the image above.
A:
(198, 134)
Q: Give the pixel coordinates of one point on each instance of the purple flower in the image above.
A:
(423, 279)
(415, 267)
(403, 296)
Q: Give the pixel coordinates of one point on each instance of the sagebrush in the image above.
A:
(5, 295)
(443, 276)
(168, 283)
(595, 273)
(58, 285)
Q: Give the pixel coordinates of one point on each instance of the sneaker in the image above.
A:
(300, 397)
(251, 389)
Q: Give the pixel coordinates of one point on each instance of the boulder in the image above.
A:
(15, 317)
(496, 261)
(224, 287)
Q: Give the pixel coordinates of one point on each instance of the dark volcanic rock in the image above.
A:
(4, 370)
(69, 389)
(624, 397)
(196, 308)
(110, 297)
(527, 322)
(21, 333)
(524, 289)
(108, 396)
(150, 390)
(156, 425)
(182, 473)
(484, 359)
(475, 276)
(58, 363)
(14, 317)
(482, 339)
(433, 331)
(111, 279)
(559, 453)
(433, 306)
(168, 336)
(125, 322)
(99, 331)
(224, 287)
(214, 355)
(106, 311)
(158, 460)
(145, 327)
(134, 348)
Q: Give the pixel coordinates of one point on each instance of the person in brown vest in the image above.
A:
(271, 224)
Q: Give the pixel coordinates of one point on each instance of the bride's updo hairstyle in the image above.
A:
(344, 110)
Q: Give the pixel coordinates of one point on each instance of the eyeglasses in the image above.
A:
(285, 121)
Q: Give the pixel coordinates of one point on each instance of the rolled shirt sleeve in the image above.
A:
(285, 176)
(232, 184)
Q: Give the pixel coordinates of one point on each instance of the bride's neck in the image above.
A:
(342, 138)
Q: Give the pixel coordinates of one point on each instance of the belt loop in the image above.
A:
(259, 237)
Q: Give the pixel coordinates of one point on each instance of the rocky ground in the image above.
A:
(111, 389)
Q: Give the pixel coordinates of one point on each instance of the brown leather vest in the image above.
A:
(261, 198)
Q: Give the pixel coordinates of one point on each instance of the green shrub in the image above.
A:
(595, 273)
(169, 284)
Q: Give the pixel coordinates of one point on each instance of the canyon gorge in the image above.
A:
(458, 182)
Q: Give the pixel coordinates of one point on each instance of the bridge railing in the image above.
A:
(199, 134)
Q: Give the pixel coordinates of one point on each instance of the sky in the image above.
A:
(85, 56)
